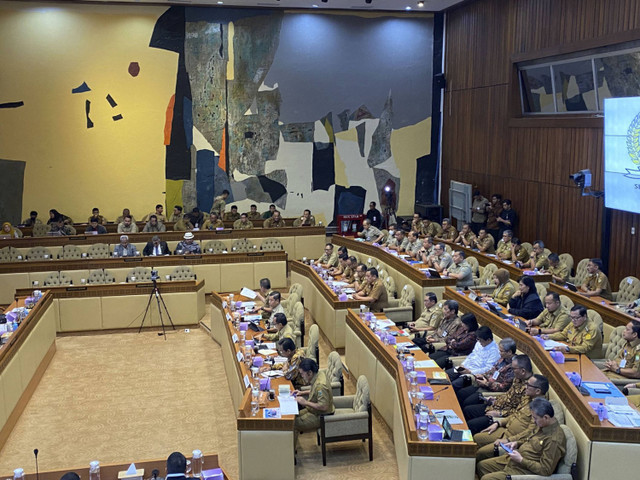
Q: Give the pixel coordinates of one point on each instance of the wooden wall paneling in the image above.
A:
(627, 261)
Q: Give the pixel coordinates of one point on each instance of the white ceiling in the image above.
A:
(374, 5)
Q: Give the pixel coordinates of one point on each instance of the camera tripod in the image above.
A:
(156, 293)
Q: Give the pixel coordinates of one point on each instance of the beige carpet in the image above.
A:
(121, 397)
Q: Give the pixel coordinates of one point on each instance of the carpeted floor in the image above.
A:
(126, 396)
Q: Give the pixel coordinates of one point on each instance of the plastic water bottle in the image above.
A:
(94, 470)
(18, 474)
(602, 412)
(423, 425)
(196, 464)
(255, 398)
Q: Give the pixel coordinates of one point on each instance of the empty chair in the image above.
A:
(96, 277)
(475, 266)
(628, 291)
(8, 254)
(52, 280)
(296, 288)
(289, 303)
(334, 373)
(390, 286)
(40, 230)
(65, 279)
(139, 274)
(581, 272)
(351, 420)
(38, 254)
(242, 245)
(298, 324)
(108, 277)
(567, 259)
(271, 245)
(99, 250)
(214, 246)
(311, 350)
(402, 310)
(183, 272)
(71, 252)
(382, 273)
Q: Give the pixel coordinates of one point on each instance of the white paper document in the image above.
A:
(288, 405)
(385, 323)
(425, 364)
(272, 373)
(550, 344)
(247, 292)
(450, 414)
(267, 351)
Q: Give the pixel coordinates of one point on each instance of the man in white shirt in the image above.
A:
(483, 357)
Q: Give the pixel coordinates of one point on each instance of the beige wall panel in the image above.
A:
(234, 276)
(275, 271)
(385, 384)
(13, 380)
(127, 312)
(310, 247)
(78, 314)
(353, 346)
(211, 276)
(8, 284)
(275, 450)
(368, 367)
(183, 308)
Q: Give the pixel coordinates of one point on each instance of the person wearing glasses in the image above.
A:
(440, 259)
(581, 335)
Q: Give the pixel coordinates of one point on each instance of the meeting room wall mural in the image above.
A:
(300, 109)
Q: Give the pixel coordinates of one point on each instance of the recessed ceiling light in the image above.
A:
(420, 4)
(407, 7)
(314, 5)
(220, 3)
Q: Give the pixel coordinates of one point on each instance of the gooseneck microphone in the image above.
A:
(35, 453)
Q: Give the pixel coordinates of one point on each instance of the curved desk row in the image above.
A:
(366, 355)
(323, 303)
(265, 446)
(603, 449)
(234, 270)
(402, 272)
(298, 242)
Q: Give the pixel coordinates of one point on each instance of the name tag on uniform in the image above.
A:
(623, 363)
(444, 334)
(495, 375)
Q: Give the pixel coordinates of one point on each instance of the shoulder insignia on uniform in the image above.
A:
(588, 336)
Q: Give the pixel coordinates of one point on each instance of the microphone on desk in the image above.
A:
(441, 390)
(35, 453)
(155, 473)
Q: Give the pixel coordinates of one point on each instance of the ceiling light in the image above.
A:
(407, 8)
(220, 3)
(420, 4)
(314, 5)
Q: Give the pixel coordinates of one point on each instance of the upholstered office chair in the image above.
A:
(52, 280)
(386, 235)
(628, 291)
(390, 286)
(40, 230)
(108, 277)
(296, 288)
(65, 279)
(71, 252)
(72, 230)
(369, 262)
(486, 276)
(271, 245)
(401, 310)
(382, 273)
(311, 350)
(581, 272)
(546, 251)
(99, 250)
(289, 303)
(139, 274)
(610, 351)
(351, 420)
(298, 324)
(334, 373)
(566, 465)
(214, 246)
(475, 266)
(558, 411)
(595, 317)
(448, 249)
(567, 259)
(183, 272)
(242, 245)
(566, 302)
(96, 277)
(8, 254)
(37, 254)
(542, 291)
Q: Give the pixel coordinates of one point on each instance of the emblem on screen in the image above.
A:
(633, 147)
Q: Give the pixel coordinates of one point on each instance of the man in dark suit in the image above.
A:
(176, 466)
(156, 248)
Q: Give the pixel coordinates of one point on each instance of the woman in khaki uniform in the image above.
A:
(504, 288)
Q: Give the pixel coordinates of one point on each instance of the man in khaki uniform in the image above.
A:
(557, 268)
(349, 273)
(430, 318)
(306, 220)
(370, 233)
(554, 318)
(515, 426)
(276, 221)
(596, 284)
(283, 329)
(448, 325)
(503, 250)
(329, 258)
(318, 401)
(253, 213)
(219, 203)
(158, 213)
(213, 222)
(581, 335)
(440, 259)
(359, 277)
(449, 232)
(399, 242)
(537, 259)
(125, 213)
(460, 270)
(627, 362)
(416, 223)
(342, 264)
(233, 215)
(518, 252)
(466, 236)
(373, 291)
(484, 242)
(413, 245)
(537, 454)
(243, 224)
(290, 368)
(431, 229)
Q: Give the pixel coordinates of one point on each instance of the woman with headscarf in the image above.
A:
(54, 215)
(8, 231)
(504, 288)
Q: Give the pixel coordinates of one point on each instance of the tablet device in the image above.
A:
(433, 272)
(449, 432)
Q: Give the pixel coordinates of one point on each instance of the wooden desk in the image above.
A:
(603, 448)
(609, 313)
(270, 440)
(24, 359)
(402, 273)
(483, 259)
(366, 355)
(328, 312)
(233, 270)
(110, 471)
